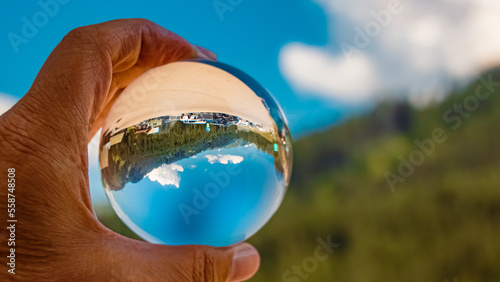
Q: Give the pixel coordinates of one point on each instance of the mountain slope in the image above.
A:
(440, 219)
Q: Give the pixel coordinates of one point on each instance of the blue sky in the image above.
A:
(249, 37)
(324, 60)
(239, 205)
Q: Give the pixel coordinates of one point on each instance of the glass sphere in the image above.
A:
(195, 152)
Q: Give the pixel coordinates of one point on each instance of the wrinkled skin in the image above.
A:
(45, 136)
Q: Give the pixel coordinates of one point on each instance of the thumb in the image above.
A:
(142, 261)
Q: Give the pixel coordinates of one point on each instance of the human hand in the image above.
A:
(45, 136)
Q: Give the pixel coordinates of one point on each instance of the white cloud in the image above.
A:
(314, 69)
(224, 159)
(6, 102)
(166, 174)
(417, 51)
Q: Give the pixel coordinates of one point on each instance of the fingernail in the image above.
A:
(246, 261)
(202, 53)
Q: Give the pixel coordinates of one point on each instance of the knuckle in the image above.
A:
(143, 21)
(85, 37)
(76, 32)
(205, 266)
(90, 38)
(83, 32)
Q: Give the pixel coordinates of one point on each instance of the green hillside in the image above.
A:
(438, 220)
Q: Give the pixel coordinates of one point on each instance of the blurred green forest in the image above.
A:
(441, 223)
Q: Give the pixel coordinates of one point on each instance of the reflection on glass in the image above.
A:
(195, 153)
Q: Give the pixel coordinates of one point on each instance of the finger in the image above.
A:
(72, 89)
(122, 79)
(205, 54)
(144, 261)
(73, 86)
(98, 123)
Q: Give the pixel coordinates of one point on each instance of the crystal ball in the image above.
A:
(195, 152)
